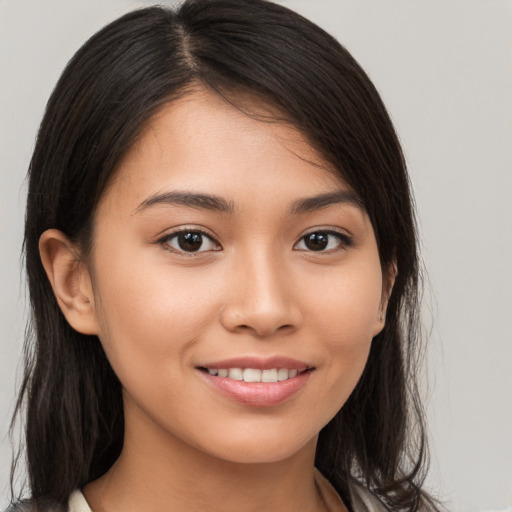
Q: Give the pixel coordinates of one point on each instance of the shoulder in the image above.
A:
(17, 507)
(363, 500)
(35, 506)
(76, 503)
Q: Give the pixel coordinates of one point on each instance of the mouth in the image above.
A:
(257, 382)
(269, 375)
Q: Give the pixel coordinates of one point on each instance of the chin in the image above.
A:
(264, 450)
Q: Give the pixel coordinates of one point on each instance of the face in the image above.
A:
(236, 283)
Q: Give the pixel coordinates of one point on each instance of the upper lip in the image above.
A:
(258, 363)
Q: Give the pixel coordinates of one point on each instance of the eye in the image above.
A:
(189, 240)
(323, 241)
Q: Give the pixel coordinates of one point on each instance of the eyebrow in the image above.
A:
(218, 204)
(190, 200)
(309, 204)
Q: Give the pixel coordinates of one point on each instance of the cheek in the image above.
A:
(347, 316)
(147, 314)
(348, 306)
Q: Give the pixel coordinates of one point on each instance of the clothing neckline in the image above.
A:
(332, 500)
(328, 493)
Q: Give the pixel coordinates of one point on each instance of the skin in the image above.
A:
(253, 289)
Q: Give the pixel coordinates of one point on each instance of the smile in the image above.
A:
(257, 382)
(254, 374)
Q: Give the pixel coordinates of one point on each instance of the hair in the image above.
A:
(109, 90)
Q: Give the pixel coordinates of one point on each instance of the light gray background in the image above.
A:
(444, 69)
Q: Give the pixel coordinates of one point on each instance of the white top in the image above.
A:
(77, 503)
(362, 500)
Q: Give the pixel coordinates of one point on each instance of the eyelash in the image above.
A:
(344, 241)
(165, 241)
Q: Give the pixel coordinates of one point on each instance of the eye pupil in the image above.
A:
(190, 241)
(316, 241)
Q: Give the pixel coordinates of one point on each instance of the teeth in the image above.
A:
(236, 374)
(269, 375)
(282, 374)
(254, 374)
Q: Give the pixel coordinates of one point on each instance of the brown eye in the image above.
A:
(325, 241)
(190, 241)
(316, 241)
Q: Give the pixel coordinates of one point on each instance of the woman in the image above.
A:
(222, 264)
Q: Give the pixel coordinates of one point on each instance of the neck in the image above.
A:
(159, 472)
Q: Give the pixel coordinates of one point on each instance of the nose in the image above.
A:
(261, 300)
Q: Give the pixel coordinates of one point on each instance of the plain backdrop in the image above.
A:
(444, 69)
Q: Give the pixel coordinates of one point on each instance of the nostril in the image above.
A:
(265, 331)
(260, 318)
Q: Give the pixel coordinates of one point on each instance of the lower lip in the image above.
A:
(258, 394)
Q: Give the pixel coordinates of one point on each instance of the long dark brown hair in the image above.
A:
(108, 91)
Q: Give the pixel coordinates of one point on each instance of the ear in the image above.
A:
(70, 280)
(388, 280)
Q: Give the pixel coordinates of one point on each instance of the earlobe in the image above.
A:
(70, 280)
(388, 283)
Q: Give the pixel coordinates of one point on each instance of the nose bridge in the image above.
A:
(262, 294)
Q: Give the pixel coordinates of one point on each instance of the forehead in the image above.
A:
(203, 142)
